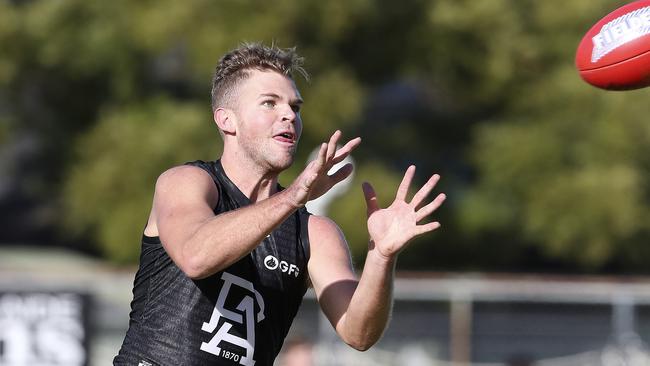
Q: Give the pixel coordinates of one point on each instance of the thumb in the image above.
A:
(371, 197)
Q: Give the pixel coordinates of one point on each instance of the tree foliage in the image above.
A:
(565, 167)
(542, 171)
(109, 189)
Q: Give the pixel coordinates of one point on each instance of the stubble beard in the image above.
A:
(284, 162)
(268, 158)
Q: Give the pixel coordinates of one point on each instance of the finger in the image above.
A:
(371, 198)
(342, 173)
(313, 169)
(322, 156)
(403, 188)
(316, 166)
(430, 208)
(331, 146)
(426, 228)
(425, 190)
(343, 152)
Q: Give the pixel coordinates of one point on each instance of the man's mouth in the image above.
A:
(287, 137)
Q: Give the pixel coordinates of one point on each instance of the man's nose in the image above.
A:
(288, 114)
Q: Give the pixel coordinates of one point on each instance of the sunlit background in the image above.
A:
(543, 253)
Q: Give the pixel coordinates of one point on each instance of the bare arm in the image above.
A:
(359, 316)
(201, 243)
(359, 310)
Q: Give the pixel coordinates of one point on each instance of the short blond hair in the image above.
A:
(234, 66)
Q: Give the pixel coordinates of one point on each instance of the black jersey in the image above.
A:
(239, 316)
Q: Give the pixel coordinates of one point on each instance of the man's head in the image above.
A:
(256, 106)
(235, 66)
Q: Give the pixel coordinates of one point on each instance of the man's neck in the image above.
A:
(252, 181)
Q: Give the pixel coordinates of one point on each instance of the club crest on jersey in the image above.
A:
(272, 264)
(224, 318)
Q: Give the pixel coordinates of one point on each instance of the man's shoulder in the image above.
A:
(184, 177)
(322, 225)
(183, 172)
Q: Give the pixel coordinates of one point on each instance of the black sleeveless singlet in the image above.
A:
(239, 316)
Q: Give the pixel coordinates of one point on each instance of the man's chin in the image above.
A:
(281, 165)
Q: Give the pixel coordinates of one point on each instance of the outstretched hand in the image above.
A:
(392, 227)
(314, 181)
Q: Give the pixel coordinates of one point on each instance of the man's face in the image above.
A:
(268, 119)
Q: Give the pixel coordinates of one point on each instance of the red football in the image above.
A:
(615, 52)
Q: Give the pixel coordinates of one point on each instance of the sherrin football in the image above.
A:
(615, 52)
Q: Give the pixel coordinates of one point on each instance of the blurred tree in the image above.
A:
(98, 98)
(177, 55)
(109, 189)
(565, 168)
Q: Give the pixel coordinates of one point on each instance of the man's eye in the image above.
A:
(268, 103)
(296, 108)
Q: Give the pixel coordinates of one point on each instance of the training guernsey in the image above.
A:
(239, 316)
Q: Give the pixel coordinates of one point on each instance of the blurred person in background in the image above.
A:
(297, 351)
(227, 254)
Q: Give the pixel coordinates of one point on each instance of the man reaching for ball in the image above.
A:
(227, 254)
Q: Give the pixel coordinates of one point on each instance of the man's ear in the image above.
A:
(225, 120)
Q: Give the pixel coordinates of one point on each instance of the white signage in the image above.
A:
(44, 329)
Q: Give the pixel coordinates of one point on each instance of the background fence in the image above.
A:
(438, 319)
